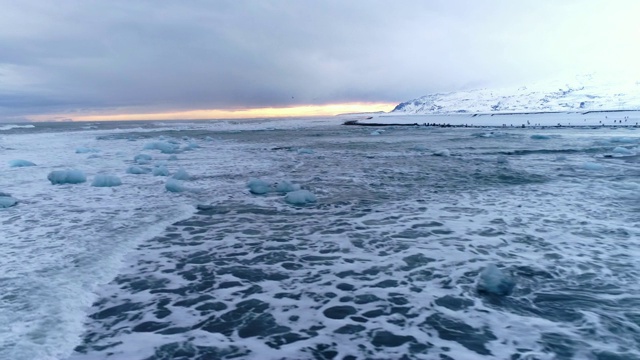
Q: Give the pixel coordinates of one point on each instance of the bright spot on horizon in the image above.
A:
(219, 114)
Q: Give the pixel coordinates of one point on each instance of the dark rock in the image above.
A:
(339, 312)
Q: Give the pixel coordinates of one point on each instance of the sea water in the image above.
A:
(384, 265)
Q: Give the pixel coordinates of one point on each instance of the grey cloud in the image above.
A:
(156, 56)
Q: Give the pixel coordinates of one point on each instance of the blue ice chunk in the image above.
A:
(305, 151)
(142, 159)
(164, 147)
(191, 146)
(376, 132)
(20, 163)
(102, 180)
(495, 281)
(300, 197)
(160, 171)
(85, 150)
(540, 137)
(285, 187)
(623, 140)
(208, 138)
(592, 166)
(7, 201)
(623, 151)
(71, 176)
(259, 187)
(137, 170)
(174, 185)
(181, 174)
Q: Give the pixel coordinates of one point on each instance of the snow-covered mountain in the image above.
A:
(582, 94)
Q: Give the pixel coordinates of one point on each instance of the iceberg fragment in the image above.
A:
(181, 174)
(623, 151)
(495, 281)
(137, 170)
(160, 171)
(20, 163)
(7, 201)
(305, 151)
(286, 186)
(102, 180)
(258, 187)
(164, 147)
(174, 185)
(191, 146)
(70, 176)
(142, 159)
(540, 137)
(592, 166)
(300, 197)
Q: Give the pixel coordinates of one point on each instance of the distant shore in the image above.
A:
(593, 119)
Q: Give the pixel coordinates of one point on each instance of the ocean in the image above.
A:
(384, 265)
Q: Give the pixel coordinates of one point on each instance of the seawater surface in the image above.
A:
(384, 265)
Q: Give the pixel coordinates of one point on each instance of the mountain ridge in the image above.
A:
(585, 93)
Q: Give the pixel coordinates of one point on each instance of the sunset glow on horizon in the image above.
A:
(204, 114)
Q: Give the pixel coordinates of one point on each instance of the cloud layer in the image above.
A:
(153, 56)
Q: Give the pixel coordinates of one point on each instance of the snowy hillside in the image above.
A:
(583, 94)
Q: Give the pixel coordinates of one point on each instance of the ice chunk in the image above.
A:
(300, 197)
(208, 138)
(592, 166)
(495, 281)
(623, 151)
(102, 180)
(5, 194)
(624, 140)
(540, 137)
(285, 187)
(85, 150)
(142, 159)
(191, 146)
(258, 187)
(164, 147)
(181, 174)
(7, 201)
(376, 132)
(174, 185)
(137, 170)
(70, 176)
(160, 171)
(20, 163)
(442, 152)
(305, 151)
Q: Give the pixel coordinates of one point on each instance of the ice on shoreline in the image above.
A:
(103, 180)
(71, 176)
(20, 163)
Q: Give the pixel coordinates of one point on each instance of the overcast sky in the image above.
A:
(111, 56)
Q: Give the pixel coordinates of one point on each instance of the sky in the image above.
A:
(122, 59)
